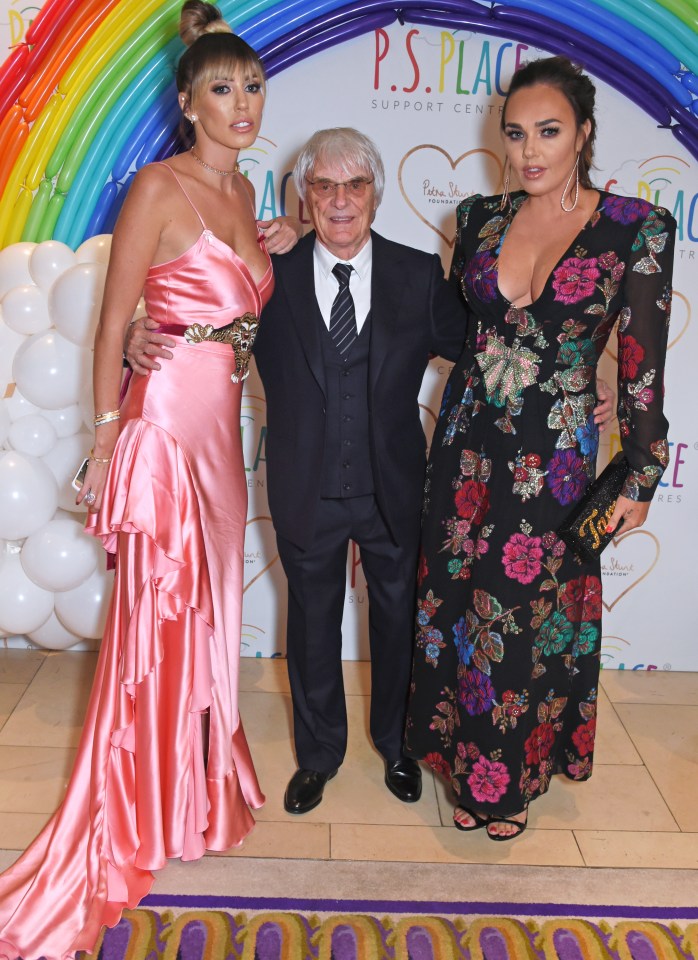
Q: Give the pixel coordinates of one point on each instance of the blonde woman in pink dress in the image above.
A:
(167, 495)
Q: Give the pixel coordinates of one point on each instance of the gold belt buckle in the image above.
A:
(240, 333)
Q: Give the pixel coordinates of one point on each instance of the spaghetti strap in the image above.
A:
(191, 204)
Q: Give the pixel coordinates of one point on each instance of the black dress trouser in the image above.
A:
(316, 590)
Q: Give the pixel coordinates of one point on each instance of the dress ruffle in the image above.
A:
(141, 789)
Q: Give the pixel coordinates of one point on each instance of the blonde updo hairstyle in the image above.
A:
(213, 52)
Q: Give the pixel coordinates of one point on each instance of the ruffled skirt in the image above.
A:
(145, 786)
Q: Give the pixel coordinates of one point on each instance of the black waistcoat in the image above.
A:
(346, 466)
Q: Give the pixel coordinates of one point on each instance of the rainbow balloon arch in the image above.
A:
(89, 96)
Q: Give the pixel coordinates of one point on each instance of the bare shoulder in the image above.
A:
(153, 181)
(249, 186)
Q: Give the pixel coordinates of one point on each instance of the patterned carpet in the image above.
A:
(244, 928)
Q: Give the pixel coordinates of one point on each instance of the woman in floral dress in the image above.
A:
(507, 657)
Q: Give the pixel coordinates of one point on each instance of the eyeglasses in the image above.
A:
(328, 188)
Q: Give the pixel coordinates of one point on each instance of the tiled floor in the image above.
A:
(638, 813)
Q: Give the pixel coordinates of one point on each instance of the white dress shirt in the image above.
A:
(327, 285)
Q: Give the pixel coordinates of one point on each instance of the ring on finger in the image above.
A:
(90, 497)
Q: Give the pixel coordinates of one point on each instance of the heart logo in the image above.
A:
(624, 567)
(431, 180)
(260, 545)
(681, 316)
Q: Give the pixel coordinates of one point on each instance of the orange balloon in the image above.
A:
(8, 124)
(10, 150)
(68, 44)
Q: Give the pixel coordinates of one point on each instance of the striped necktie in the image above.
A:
(343, 316)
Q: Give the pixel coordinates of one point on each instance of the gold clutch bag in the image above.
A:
(584, 530)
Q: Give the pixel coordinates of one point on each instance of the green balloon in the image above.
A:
(105, 91)
(53, 210)
(683, 9)
(37, 211)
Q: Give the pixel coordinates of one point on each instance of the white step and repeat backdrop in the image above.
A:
(431, 100)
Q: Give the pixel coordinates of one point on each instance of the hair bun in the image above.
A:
(199, 18)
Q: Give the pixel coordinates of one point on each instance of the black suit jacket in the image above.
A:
(414, 313)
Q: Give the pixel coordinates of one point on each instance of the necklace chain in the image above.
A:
(207, 166)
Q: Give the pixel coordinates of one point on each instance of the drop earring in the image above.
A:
(574, 173)
(505, 193)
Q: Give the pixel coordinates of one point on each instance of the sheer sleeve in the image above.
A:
(460, 257)
(642, 345)
(459, 248)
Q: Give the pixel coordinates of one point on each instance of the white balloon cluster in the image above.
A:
(54, 587)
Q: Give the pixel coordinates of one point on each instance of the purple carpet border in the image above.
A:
(423, 906)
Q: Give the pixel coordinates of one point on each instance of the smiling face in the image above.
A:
(342, 221)
(228, 111)
(542, 139)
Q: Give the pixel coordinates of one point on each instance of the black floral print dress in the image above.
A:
(507, 655)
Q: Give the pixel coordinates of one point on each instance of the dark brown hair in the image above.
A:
(579, 91)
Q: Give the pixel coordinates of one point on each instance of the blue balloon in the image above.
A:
(115, 208)
(106, 146)
(609, 29)
(142, 135)
(101, 210)
(627, 77)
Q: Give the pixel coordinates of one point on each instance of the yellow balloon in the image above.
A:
(35, 159)
(32, 160)
(113, 35)
(19, 216)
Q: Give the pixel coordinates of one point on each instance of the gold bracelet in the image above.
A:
(99, 459)
(101, 418)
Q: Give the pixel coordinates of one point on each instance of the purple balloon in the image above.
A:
(322, 41)
(686, 138)
(685, 118)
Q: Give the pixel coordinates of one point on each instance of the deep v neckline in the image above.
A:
(519, 201)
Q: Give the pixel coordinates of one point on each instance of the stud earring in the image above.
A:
(575, 174)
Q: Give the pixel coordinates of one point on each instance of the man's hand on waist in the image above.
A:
(142, 343)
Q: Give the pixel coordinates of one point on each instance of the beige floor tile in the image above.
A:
(263, 674)
(613, 745)
(650, 686)
(271, 676)
(602, 848)
(355, 841)
(10, 695)
(19, 666)
(33, 779)
(617, 797)
(667, 739)
(601, 803)
(299, 840)
(357, 678)
(53, 707)
(356, 794)
(17, 830)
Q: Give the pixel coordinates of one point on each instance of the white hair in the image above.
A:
(351, 151)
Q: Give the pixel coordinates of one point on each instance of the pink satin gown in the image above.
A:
(174, 514)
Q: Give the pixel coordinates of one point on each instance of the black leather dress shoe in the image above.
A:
(304, 790)
(404, 778)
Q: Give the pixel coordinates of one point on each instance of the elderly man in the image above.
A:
(341, 350)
